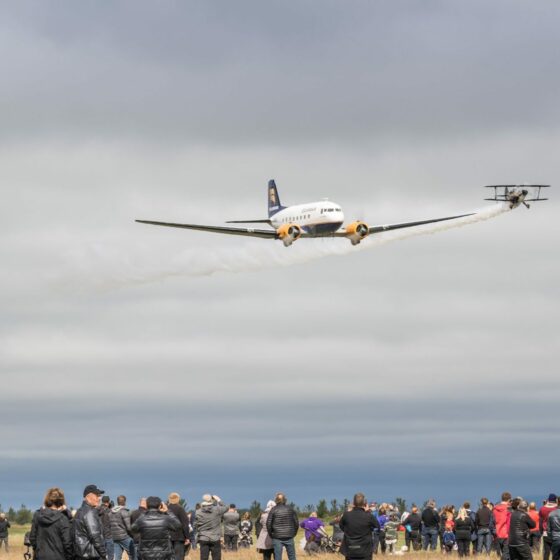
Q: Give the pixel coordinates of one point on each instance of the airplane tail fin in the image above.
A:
(273, 199)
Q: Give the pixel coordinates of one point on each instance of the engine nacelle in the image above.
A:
(289, 233)
(356, 231)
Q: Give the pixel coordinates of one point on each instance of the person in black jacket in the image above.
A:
(155, 528)
(483, 520)
(282, 525)
(105, 514)
(413, 529)
(87, 528)
(180, 538)
(134, 516)
(430, 522)
(358, 526)
(464, 527)
(520, 524)
(50, 529)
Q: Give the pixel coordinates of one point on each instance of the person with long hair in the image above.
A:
(50, 529)
(464, 527)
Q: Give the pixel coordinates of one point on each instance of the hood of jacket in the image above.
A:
(47, 516)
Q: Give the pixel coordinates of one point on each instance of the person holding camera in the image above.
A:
(155, 528)
(208, 527)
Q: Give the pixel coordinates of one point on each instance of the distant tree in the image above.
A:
(335, 508)
(12, 515)
(295, 507)
(255, 509)
(345, 504)
(401, 504)
(183, 503)
(308, 509)
(322, 509)
(23, 515)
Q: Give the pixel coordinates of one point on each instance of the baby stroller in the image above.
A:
(28, 554)
(245, 539)
(328, 545)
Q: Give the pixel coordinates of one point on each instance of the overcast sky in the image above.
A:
(148, 360)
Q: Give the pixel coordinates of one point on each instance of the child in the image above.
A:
(391, 533)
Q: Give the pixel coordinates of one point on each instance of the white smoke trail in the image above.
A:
(138, 269)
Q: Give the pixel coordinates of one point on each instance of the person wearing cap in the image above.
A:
(154, 529)
(208, 526)
(105, 514)
(180, 538)
(544, 512)
(87, 527)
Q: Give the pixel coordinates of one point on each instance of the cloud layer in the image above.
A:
(147, 360)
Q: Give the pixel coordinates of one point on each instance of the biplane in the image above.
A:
(517, 194)
(325, 218)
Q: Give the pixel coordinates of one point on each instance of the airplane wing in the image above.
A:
(250, 232)
(389, 227)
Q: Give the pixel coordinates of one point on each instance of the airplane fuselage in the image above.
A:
(314, 218)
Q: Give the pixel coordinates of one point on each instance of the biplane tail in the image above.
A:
(517, 194)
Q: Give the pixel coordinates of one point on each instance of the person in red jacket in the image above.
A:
(544, 512)
(535, 534)
(502, 514)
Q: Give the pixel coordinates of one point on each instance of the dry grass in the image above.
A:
(17, 549)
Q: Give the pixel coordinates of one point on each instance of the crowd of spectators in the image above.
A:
(156, 530)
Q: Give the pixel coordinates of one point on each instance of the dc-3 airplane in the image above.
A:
(325, 218)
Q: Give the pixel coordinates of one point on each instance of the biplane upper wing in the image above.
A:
(534, 191)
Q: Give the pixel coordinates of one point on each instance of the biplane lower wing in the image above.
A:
(517, 194)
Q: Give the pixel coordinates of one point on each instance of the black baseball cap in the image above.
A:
(92, 489)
